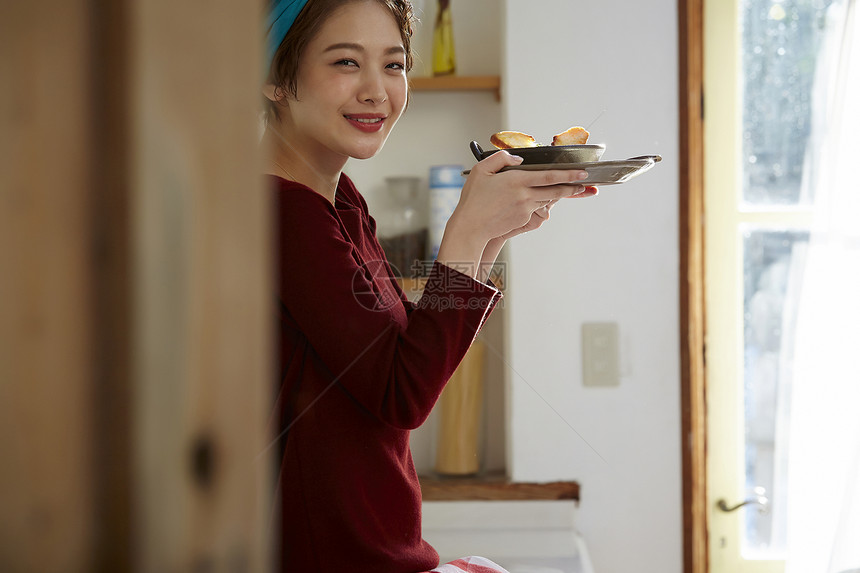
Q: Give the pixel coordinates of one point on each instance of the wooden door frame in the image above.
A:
(692, 285)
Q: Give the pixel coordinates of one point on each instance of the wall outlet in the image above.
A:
(600, 354)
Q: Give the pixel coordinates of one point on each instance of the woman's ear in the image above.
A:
(271, 92)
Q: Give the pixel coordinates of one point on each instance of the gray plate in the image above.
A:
(599, 172)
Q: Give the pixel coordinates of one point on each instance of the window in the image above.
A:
(760, 64)
(779, 47)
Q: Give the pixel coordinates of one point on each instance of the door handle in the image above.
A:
(759, 499)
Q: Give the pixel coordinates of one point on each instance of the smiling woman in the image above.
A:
(361, 365)
(346, 89)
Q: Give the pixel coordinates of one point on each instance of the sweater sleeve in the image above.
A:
(393, 362)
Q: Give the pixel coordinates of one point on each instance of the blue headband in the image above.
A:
(282, 14)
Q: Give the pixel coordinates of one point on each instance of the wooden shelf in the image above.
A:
(494, 487)
(458, 83)
(416, 284)
(412, 284)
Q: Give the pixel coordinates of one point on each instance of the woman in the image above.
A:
(360, 365)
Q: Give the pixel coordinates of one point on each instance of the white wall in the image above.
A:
(613, 257)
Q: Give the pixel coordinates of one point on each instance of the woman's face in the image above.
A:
(351, 84)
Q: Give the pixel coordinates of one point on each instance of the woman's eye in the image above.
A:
(396, 66)
(346, 62)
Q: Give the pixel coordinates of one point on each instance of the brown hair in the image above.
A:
(285, 63)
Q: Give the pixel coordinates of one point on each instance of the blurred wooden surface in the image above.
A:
(201, 306)
(458, 83)
(494, 487)
(460, 416)
(134, 289)
(46, 280)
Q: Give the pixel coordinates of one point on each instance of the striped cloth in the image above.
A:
(469, 565)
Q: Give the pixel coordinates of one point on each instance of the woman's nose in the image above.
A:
(373, 88)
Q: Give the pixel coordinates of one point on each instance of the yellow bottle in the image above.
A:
(444, 62)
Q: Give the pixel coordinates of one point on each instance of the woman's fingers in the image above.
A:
(550, 177)
(544, 195)
(503, 204)
(587, 192)
(497, 161)
(553, 184)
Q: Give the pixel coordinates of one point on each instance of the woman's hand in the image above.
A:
(538, 218)
(495, 206)
(541, 214)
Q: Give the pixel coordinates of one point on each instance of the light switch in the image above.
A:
(600, 354)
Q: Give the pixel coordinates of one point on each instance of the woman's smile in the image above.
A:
(366, 122)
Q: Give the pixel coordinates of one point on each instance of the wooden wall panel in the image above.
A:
(46, 339)
(134, 289)
(201, 302)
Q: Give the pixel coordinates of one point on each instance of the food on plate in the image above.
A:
(511, 139)
(573, 136)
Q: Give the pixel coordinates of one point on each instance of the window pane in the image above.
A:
(779, 42)
(770, 258)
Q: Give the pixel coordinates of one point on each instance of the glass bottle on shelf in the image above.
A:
(401, 226)
(444, 62)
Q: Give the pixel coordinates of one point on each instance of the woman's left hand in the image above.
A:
(541, 215)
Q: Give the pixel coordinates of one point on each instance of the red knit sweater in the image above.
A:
(360, 366)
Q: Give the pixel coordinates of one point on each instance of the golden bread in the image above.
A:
(573, 136)
(511, 139)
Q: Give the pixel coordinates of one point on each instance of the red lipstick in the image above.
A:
(366, 122)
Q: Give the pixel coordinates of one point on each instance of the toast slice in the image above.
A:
(573, 136)
(511, 139)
